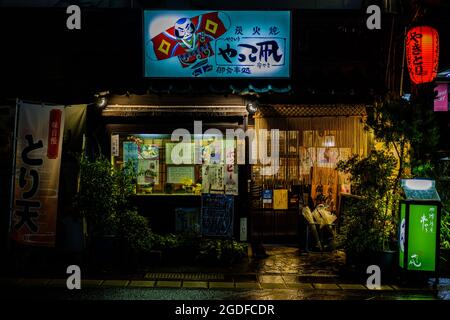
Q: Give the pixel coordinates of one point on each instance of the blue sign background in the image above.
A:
(254, 44)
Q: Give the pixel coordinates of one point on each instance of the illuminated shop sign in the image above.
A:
(441, 99)
(217, 44)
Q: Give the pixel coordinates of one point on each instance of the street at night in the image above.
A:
(226, 158)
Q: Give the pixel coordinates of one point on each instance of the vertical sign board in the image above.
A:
(419, 235)
(243, 230)
(217, 215)
(217, 44)
(38, 158)
(441, 99)
(422, 230)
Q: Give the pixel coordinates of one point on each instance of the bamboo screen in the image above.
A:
(309, 149)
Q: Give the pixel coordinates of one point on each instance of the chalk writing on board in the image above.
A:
(217, 215)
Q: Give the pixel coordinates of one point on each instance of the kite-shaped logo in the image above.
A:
(190, 41)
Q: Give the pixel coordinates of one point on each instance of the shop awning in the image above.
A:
(314, 110)
(174, 105)
(188, 110)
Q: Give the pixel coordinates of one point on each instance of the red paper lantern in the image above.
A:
(422, 53)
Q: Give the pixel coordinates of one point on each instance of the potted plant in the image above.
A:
(445, 243)
(368, 231)
(116, 232)
(96, 203)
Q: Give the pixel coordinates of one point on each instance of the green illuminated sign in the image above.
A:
(422, 228)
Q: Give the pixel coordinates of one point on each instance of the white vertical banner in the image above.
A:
(38, 159)
(115, 145)
(243, 229)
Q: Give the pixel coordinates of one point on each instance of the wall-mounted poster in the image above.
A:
(115, 145)
(212, 151)
(280, 199)
(148, 172)
(307, 160)
(178, 156)
(149, 152)
(179, 174)
(213, 178)
(327, 157)
(267, 195)
(131, 152)
(231, 179)
(217, 44)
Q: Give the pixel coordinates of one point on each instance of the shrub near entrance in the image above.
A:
(369, 225)
(117, 234)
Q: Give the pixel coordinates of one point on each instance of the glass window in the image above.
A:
(202, 164)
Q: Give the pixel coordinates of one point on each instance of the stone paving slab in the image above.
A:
(168, 284)
(285, 282)
(301, 286)
(352, 286)
(221, 285)
(271, 279)
(195, 284)
(91, 283)
(142, 284)
(115, 283)
(265, 285)
(290, 279)
(326, 286)
(247, 285)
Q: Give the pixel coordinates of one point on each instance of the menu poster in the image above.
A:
(131, 152)
(213, 178)
(231, 179)
(179, 174)
(148, 172)
(179, 156)
(280, 199)
(149, 152)
(327, 156)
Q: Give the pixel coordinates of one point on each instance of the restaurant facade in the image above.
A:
(293, 86)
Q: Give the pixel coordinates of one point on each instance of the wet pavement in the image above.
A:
(284, 274)
(279, 260)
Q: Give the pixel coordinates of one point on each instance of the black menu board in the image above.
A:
(217, 215)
